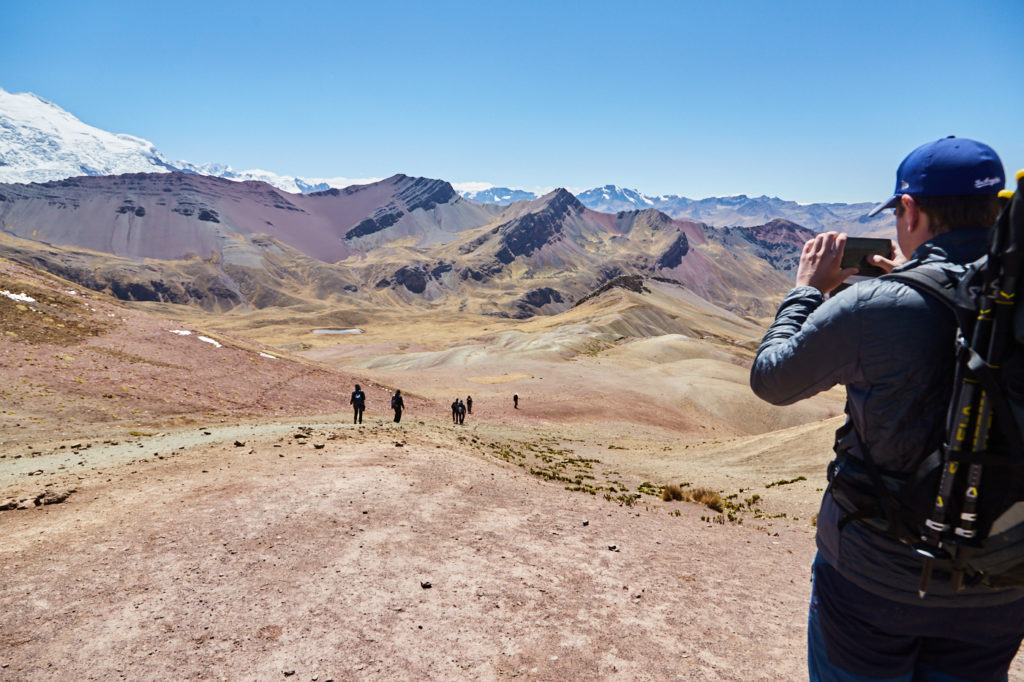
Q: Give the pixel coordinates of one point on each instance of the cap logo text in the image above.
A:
(987, 182)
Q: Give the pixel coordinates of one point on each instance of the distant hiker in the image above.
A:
(515, 401)
(460, 411)
(455, 411)
(358, 403)
(397, 404)
(469, 404)
(891, 345)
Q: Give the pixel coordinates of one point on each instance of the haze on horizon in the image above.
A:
(788, 101)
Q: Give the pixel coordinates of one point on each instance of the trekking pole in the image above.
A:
(971, 410)
(931, 545)
(1001, 291)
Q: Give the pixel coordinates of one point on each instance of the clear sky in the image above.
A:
(809, 101)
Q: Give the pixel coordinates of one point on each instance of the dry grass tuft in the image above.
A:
(672, 492)
(706, 496)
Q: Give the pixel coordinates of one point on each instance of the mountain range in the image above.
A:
(40, 142)
(219, 244)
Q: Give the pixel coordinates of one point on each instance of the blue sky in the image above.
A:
(809, 101)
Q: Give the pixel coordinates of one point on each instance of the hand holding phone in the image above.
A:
(858, 249)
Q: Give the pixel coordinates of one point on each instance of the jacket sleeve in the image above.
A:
(810, 347)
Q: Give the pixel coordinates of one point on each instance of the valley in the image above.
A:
(168, 474)
(177, 437)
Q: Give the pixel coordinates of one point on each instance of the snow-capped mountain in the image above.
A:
(40, 142)
(295, 185)
(502, 196)
(612, 199)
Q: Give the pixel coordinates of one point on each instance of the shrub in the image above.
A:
(706, 496)
(671, 492)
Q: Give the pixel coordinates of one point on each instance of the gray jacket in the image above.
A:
(892, 348)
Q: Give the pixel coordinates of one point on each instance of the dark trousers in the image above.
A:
(855, 635)
(357, 415)
(398, 416)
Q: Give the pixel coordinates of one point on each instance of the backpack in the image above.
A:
(394, 401)
(962, 508)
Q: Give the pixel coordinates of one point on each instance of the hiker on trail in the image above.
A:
(358, 403)
(397, 404)
(891, 346)
(515, 401)
(455, 411)
(469, 404)
(460, 411)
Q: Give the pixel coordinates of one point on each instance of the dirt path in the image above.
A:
(368, 560)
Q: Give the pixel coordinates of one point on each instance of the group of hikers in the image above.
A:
(460, 408)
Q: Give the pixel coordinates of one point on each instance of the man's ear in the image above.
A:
(915, 217)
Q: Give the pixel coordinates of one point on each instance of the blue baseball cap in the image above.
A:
(952, 166)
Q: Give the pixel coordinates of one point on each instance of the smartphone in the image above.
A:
(859, 248)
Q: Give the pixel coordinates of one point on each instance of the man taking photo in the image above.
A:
(891, 346)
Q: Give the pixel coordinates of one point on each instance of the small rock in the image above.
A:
(425, 585)
(53, 496)
(239, 444)
(586, 523)
(614, 548)
(318, 446)
(288, 673)
(399, 444)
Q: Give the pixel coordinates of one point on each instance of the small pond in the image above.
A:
(337, 331)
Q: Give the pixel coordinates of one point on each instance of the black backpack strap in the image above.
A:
(943, 288)
(871, 499)
(931, 281)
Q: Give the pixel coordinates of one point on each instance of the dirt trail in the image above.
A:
(368, 560)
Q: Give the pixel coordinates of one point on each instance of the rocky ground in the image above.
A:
(413, 551)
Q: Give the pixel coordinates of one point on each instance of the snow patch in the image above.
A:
(180, 332)
(207, 339)
(268, 355)
(24, 298)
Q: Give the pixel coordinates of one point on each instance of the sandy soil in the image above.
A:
(392, 552)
